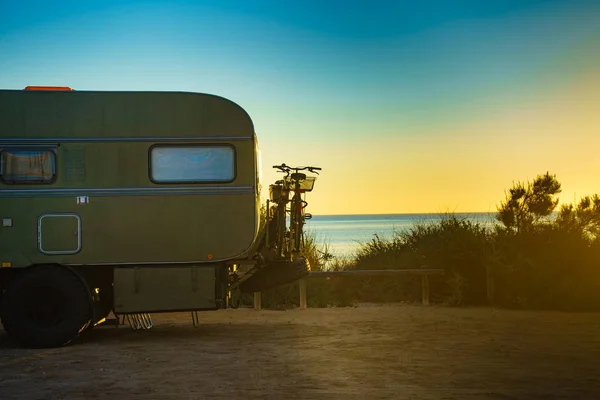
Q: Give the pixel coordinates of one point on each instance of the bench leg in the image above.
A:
(425, 289)
(302, 285)
(257, 301)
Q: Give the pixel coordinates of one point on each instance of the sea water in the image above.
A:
(344, 233)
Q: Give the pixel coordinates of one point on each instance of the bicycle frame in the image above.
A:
(289, 241)
(297, 219)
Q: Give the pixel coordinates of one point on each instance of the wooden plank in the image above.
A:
(303, 302)
(378, 272)
(257, 301)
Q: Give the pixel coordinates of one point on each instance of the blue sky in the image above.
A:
(337, 74)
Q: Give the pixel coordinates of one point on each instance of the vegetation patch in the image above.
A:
(538, 256)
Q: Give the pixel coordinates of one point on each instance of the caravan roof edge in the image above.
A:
(116, 114)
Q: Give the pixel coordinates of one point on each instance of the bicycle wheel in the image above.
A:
(296, 223)
(281, 228)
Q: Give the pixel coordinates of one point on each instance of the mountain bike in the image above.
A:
(278, 259)
(288, 241)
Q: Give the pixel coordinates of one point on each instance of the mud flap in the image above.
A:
(274, 274)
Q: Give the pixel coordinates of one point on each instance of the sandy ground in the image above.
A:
(368, 352)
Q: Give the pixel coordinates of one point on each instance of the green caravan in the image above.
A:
(122, 202)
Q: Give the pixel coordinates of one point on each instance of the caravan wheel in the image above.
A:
(46, 306)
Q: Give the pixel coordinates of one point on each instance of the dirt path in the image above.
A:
(399, 352)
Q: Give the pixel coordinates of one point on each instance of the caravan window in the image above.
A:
(27, 166)
(192, 164)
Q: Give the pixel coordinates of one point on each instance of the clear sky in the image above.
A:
(409, 106)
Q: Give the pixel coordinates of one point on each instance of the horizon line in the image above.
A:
(409, 213)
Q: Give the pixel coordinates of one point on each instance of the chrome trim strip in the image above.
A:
(15, 140)
(51, 145)
(131, 191)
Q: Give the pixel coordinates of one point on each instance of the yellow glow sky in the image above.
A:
(465, 166)
(409, 107)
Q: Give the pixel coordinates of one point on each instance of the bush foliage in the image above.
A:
(534, 257)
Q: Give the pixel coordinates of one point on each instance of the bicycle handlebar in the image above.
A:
(287, 169)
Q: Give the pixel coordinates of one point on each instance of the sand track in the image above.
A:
(368, 352)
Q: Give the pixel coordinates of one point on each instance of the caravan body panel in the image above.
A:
(120, 178)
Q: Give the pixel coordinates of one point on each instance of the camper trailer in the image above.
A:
(130, 202)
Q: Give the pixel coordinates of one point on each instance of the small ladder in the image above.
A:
(139, 321)
(195, 318)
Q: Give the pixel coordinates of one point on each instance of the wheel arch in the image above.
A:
(7, 275)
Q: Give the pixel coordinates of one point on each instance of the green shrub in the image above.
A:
(538, 258)
(458, 246)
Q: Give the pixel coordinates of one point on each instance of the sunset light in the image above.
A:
(408, 110)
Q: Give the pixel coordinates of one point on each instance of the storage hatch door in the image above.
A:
(59, 233)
